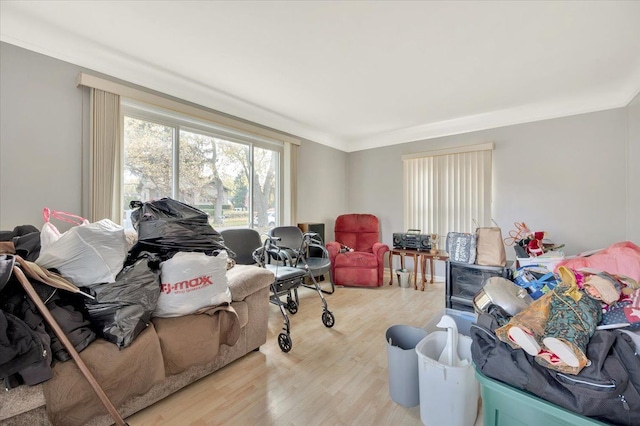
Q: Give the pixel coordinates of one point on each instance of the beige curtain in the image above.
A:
(291, 178)
(106, 146)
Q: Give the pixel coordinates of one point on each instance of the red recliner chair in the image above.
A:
(364, 266)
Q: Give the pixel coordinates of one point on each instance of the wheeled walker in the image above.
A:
(290, 271)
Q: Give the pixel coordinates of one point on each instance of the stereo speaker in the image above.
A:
(425, 242)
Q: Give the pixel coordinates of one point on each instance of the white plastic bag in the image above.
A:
(87, 254)
(191, 281)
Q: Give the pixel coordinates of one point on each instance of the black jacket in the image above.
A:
(28, 345)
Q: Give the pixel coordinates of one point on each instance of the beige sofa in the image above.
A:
(170, 354)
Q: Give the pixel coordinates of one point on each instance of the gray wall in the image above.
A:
(565, 176)
(322, 185)
(41, 147)
(633, 167)
(573, 177)
(40, 136)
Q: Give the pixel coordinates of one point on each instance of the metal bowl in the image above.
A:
(501, 292)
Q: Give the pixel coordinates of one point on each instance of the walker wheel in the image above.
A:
(284, 341)
(327, 319)
(292, 306)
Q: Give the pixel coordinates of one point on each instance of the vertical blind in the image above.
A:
(448, 190)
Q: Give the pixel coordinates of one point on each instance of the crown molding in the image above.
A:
(44, 38)
(495, 119)
(35, 35)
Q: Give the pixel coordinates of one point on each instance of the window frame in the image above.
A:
(110, 186)
(180, 121)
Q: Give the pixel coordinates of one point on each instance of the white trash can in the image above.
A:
(404, 277)
(448, 395)
(403, 363)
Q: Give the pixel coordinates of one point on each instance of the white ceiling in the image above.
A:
(353, 74)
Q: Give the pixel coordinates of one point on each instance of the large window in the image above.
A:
(234, 177)
(448, 190)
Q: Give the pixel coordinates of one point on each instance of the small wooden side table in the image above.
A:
(424, 256)
(415, 254)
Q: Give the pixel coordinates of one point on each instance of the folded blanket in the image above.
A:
(195, 339)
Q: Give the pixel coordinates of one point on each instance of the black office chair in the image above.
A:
(243, 242)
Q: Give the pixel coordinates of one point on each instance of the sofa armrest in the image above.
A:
(245, 280)
(379, 249)
(333, 247)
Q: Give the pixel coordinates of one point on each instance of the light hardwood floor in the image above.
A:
(334, 376)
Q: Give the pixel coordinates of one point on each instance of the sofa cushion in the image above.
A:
(20, 400)
(122, 373)
(252, 316)
(247, 279)
(195, 339)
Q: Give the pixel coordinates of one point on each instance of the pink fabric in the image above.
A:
(621, 258)
(365, 265)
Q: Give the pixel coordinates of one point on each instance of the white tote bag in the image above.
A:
(191, 281)
(87, 254)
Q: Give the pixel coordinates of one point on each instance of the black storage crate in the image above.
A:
(464, 281)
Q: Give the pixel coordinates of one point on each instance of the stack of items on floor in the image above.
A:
(473, 258)
(485, 247)
(575, 342)
(177, 267)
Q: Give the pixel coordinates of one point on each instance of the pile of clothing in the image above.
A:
(28, 347)
(576, 344)
(95, 283)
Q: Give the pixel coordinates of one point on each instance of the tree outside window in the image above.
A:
(201, 169)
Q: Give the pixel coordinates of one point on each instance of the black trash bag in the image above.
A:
(167, 226)
(121, 310)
